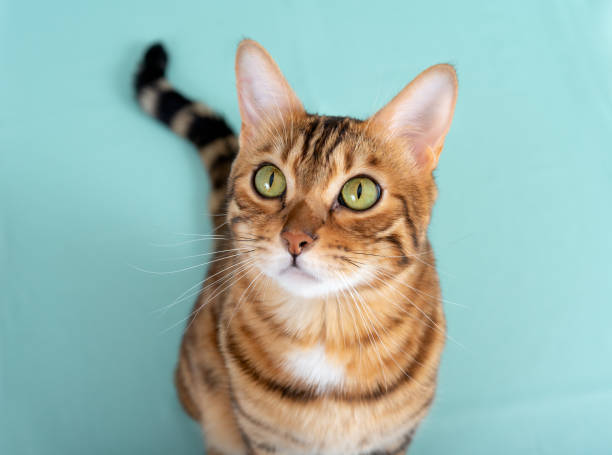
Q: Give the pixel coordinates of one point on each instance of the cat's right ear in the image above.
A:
(420, 116)
(264, 95)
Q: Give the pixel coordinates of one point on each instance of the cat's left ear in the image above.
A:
(420, 116)
(264, 95)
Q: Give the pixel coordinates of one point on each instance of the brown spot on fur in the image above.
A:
(409, 221)
(307, 135)
(263, 425)
(348, 159)
(341, 131)
(394, 240)
(209, 377)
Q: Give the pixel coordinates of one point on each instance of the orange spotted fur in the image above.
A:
(267, 364)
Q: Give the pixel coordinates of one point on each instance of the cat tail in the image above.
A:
(214, 139)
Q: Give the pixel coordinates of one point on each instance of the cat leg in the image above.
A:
(203, 385)
(183, 384)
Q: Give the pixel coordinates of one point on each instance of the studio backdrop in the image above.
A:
(100, 209)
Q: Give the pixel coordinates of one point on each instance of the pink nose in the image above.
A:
(296, 241)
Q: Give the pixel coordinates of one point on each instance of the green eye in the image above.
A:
(360, 193)
(269, 181)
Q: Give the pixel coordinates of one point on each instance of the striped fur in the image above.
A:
(264, 368)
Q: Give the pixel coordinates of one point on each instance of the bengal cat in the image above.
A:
(319, 327)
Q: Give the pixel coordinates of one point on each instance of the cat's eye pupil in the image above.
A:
(359, 193)
(269, 181)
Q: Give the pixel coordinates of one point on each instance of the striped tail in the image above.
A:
(214, 139)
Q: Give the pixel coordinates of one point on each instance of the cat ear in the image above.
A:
(421, 114)
(264, 95)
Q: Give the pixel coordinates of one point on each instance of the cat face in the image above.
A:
(329, 203)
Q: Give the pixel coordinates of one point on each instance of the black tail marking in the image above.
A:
(169, 103)
(152, 68)
(204, 130)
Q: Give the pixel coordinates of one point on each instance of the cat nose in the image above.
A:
(296, 241)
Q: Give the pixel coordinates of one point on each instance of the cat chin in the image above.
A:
(300, 283)
(309, 280)
(306, 290)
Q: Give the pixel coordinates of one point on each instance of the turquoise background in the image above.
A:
(91, 190)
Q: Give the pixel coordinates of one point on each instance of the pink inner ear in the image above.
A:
(263, 93)
(421, 114)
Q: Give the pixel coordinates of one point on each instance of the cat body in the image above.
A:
(319, 328)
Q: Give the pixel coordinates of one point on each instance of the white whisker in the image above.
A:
(188, 268)
(188, 294)
(206, 254)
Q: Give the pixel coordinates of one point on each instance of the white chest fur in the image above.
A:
(313, 366)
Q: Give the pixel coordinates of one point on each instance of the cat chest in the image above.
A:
(314, 367)
(291, 419)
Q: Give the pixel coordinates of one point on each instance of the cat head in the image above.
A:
(332, 202)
